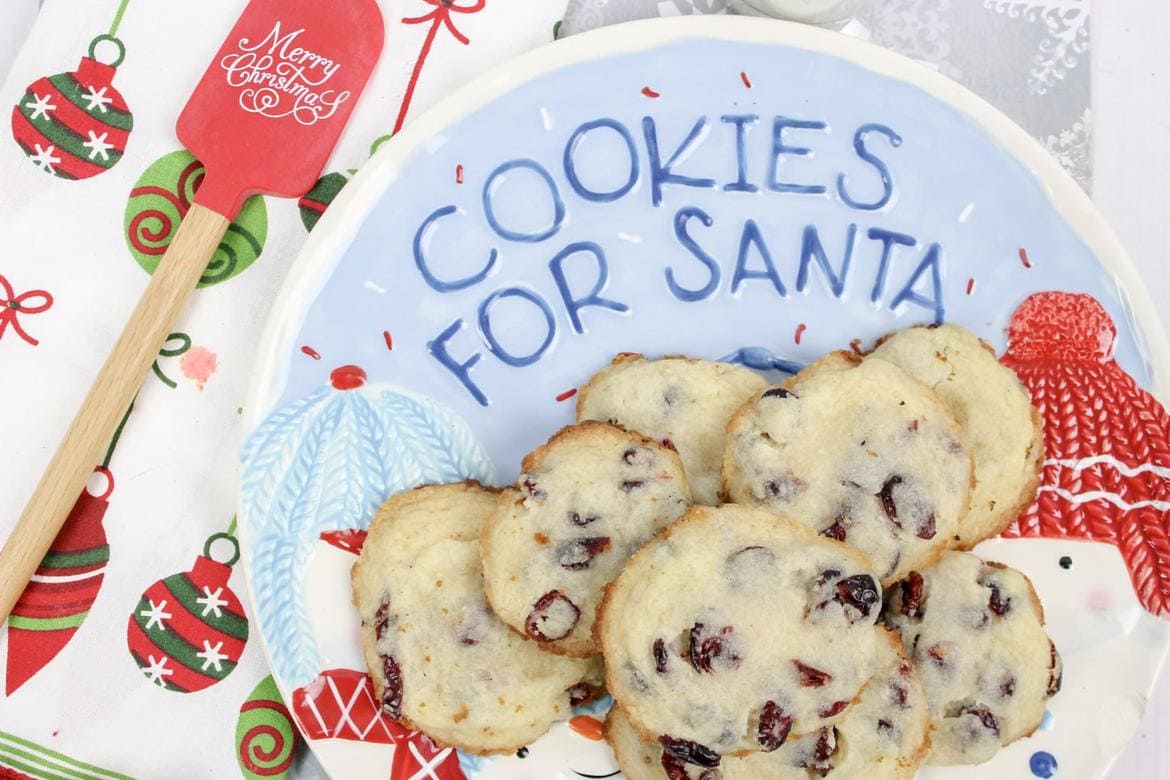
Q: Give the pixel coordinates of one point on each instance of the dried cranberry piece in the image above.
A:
(1055, 670)
(581, 693)
(859, 592)
(553, 617)
(638, 456)
(708, 650)
(938, 654)
(911, 593)
(675, 769)
(632, 484)
(392, 691)
(985, 717)
(688, 752)
(783, 488)
(913, 426)
(579, 553)
(669, 444)
(835, 708)
(899, 695)
(926, 527)
(1007, 686)
(778, 392)
(381, 618)
(823, 750)
(887, 497)
(835, 531)
(997, 603)
(660, 656)
(826, 575)
(576, 518)
(811, 677)
(528, 482)
(774, 726)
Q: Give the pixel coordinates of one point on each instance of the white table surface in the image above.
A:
(1131, 102)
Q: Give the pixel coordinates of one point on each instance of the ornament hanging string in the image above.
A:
(229, 536)
(117, 435)
(112, 37)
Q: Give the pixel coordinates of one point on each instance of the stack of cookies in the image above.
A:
(769, 580)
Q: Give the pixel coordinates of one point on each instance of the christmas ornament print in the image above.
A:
(314, 202)
(325, 463)
(340, 704)
(57, 600)
(266, 737)
(13, 306)
(188, 630)
(161, 198)
(75, 125)
(1107, 468)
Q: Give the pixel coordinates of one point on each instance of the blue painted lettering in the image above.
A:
(779, 149)
(812, 249)
(575, 305)
(749, 238)
(741, 122)
(661, 174)
(681, 219)
(571, 167)
(908, 294)
(889, 239)
(462, 371)
(882, 169)
(490, 187)
(485, 325)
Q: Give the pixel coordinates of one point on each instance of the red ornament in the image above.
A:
(1107, 441)
(340, 704)
(188, 630)
(75, 125)
(57, 601)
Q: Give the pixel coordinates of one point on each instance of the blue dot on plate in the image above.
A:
(1042, 764)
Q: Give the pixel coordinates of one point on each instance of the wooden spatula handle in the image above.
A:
(111, 393)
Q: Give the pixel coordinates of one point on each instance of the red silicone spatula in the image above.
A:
(263, 119)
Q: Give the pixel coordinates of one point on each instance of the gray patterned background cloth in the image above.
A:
(1029, 58)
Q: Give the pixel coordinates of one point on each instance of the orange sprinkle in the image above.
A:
(1024, 258)
(800, 329)
(746, 81)
(855, 345)
(389, 339)
(970, 286)
(459, 174)
(650, 93)
(590, 728)
(311, 352)
(565, 396)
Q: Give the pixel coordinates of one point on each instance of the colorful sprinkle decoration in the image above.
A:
(1042, 764)
(650, 93)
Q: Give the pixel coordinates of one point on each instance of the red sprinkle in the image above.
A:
(389, 339)
(650, 93)
(311, 352)
(347, 377)
(459, 174)
(970, 286)
(746, 81)
(565, 396)
(1024, 258)
(800, 329)
(855, 345)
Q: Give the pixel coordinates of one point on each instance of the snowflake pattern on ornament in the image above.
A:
(1066, 28)
(1072, 147)
(917, 28)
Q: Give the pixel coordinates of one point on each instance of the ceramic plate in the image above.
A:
(726, 188)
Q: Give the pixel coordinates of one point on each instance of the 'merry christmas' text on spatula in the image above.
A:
(263, 119)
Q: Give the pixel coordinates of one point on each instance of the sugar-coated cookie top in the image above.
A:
(858, 451)
(1000, 427)
(440, 660)
(679, 400)
(584, 503)
(975, 631)
(736, 629)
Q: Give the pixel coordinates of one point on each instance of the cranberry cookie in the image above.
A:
(1000, 426)
(584, 503)
(859, 451)
(682, 402)
(975, 631)
(736, 629)
(884, 736)
(440, 660)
